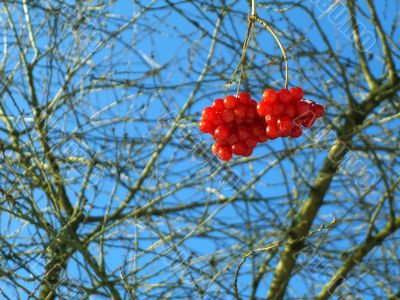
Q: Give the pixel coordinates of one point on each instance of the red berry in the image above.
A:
(303, 108)
(230, 102)
(215, 148)
(221, 142)
(258, 129)
(206, 127)
(262, 138)
(290, 110)
(209, 114)
(232, 139)
(227, 116)
(263, 108)
(270, 120)
(296, 132)
(318, 110)
(240, 121)
(250, 122)
(297, 93)
(244, 97)
(218, 104)
(298, 121)
(251, 143)
(309, 121)
(239, 148)
(248, 152)
(244, 133)
(270, 96)
(272, 132)
(240, 111)
(252, 113)
(284, 124)
(222, 132)
(285, 96)
(225, 153)
(218, 119)
(253, 103)
(277, 109)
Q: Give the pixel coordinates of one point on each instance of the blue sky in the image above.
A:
(151, 51)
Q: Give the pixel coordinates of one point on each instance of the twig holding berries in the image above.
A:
(267, 27)
(243, 56)
(245, 47)
(256, 18)
(238, 123)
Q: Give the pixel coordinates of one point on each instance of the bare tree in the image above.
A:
(109, 191)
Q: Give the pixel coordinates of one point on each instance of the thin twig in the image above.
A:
(245, 47)
(267, 27)
(242, 57)
(275, 245)
(252, 18)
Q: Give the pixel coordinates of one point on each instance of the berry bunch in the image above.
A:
(285, 112)
(238, 123)
(235, 126)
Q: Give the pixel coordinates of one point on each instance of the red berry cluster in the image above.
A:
(235, 126)
(238, 123)
(286, 112)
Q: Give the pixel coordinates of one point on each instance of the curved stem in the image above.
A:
(267, 27)
(252, 18)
